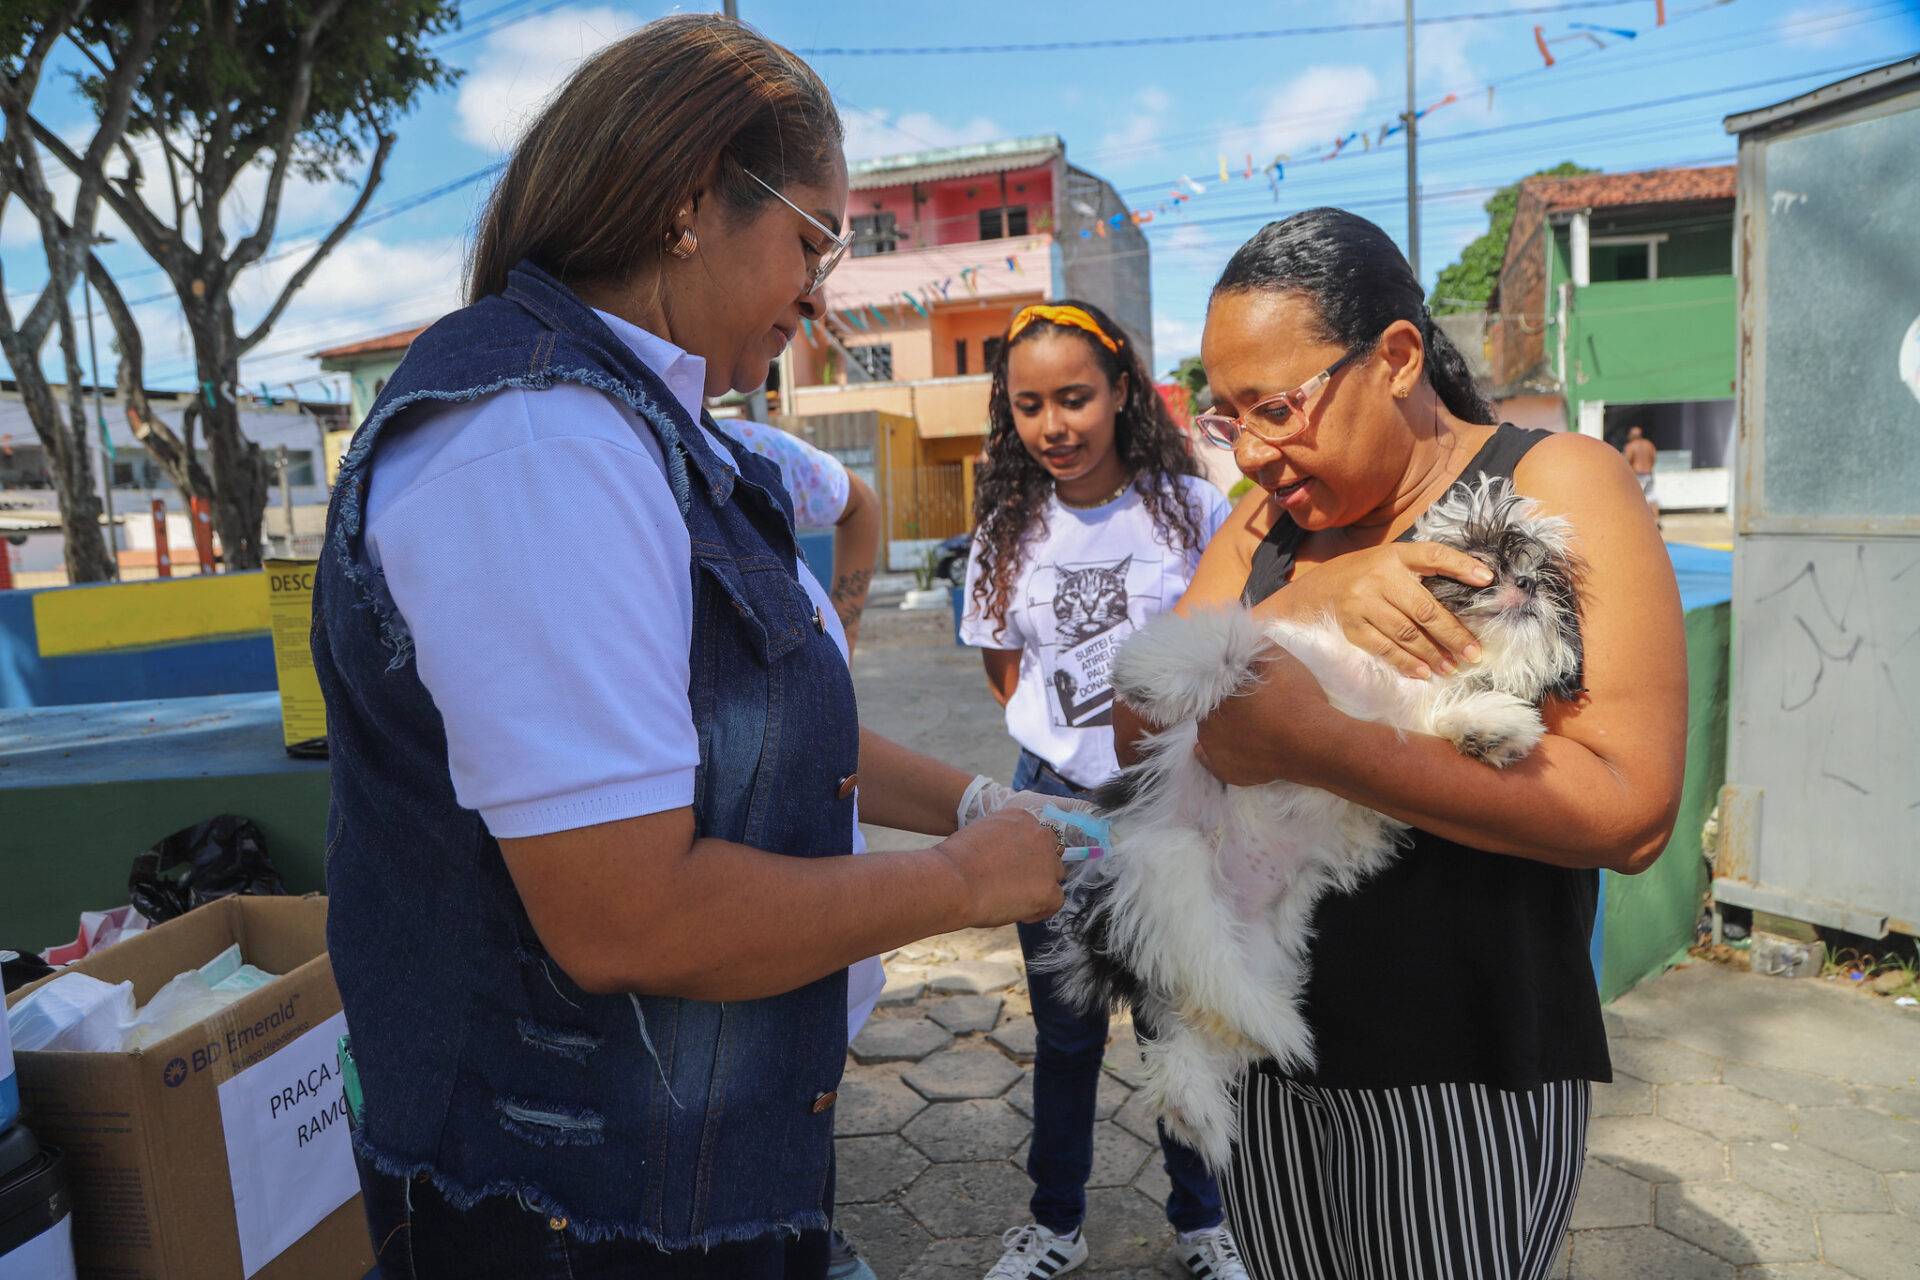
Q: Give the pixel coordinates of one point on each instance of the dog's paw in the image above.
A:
(1496, 728)
(1178, 669)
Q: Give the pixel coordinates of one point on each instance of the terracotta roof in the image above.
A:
(372, 346)
(1618, 190)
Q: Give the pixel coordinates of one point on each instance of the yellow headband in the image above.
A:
(1072, 316)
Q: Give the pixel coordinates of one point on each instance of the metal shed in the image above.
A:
(1820, 817)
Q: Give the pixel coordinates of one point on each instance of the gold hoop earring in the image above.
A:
(684, 246)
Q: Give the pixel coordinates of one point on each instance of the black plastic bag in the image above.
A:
(216, 859)
(18, 968)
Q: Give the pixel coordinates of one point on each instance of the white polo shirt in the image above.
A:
(533, 546)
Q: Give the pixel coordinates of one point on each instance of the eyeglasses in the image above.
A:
(837, 245)
(1277, 419)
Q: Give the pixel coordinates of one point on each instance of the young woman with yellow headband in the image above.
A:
(1091, 515)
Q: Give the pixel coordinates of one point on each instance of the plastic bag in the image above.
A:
(216, 859)
(98, 931)
(74, 1013)
(175, 1007)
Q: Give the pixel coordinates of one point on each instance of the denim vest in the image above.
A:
(683, 1123)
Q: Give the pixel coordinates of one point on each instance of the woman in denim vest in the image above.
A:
(595, 753)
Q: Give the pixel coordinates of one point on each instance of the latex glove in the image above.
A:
(984, 796)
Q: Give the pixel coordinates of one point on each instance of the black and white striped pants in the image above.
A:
(1424, 1182)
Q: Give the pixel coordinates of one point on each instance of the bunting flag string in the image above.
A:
(1372, 138)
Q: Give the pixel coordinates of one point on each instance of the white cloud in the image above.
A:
(1141, 131)
(1316, 106)
(365, 288)
(517, 70)
(1817, 26)
(1186, 238)
(1174, 339)
(880, 133)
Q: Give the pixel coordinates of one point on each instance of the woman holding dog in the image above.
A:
(1090, 516)
(1456, 1021)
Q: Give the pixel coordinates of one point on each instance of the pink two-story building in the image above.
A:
(948, 245)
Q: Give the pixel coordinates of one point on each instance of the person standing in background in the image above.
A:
(1091, 517)
(825, 496)
(1640, 455)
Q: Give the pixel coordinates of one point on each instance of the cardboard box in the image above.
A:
(209, 1155)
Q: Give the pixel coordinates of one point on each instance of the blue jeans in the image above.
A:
(1066, 1081)
(417, 1235)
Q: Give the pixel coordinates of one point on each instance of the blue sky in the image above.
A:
(1141, 117)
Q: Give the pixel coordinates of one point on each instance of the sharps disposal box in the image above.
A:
(220, 1152)
(36, 1218)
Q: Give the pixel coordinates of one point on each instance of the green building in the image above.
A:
(1616, 308)
(368, 364)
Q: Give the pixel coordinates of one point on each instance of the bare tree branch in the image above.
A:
(325, 247)
(293, 118)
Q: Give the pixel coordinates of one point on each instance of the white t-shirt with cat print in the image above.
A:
(1087, 581)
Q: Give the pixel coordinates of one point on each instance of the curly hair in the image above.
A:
(1009, 505)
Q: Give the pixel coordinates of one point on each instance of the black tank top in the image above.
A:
(1452, 965)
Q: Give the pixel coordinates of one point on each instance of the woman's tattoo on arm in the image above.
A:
(849, 594)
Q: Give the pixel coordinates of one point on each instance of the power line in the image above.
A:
(1594, 113)
(1537, 77)
(1215, 37)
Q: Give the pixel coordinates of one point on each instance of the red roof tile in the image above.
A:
(372, 346)
(1616, 190)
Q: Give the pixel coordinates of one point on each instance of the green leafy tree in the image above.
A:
(1192, 375)
(313, 88)
(31, 31)
(1466, 285)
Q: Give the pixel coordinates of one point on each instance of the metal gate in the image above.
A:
(1820, 818)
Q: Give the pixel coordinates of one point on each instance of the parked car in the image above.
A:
(950, 559)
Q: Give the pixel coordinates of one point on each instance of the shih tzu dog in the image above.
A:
(1198, 918)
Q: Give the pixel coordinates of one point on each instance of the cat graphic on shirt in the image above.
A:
(1089, 601)
(1091, 616)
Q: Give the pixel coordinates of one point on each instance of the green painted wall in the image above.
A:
(1650, 917)
(1648, 341)
(1651, 341)
(69, 848)
(366, 375)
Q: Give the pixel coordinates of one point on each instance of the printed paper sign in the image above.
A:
(303, 714)
(287, 1149)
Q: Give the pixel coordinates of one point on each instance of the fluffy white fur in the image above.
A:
(1204, 900)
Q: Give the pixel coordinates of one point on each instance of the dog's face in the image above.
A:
(1528, 619)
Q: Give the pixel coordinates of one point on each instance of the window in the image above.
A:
(1624, 258)
(1010, 220)
(959, 355)
(990, 351)
(874, 233)
(877, 360)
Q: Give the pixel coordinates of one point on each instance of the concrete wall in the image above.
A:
(119, 642)
(972, 324)
(1111, 271)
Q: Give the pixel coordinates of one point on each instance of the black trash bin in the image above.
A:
(36, 1215)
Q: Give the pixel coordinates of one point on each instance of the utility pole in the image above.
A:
(1413, 159)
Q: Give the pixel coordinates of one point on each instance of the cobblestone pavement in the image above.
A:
(1759, 1128)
